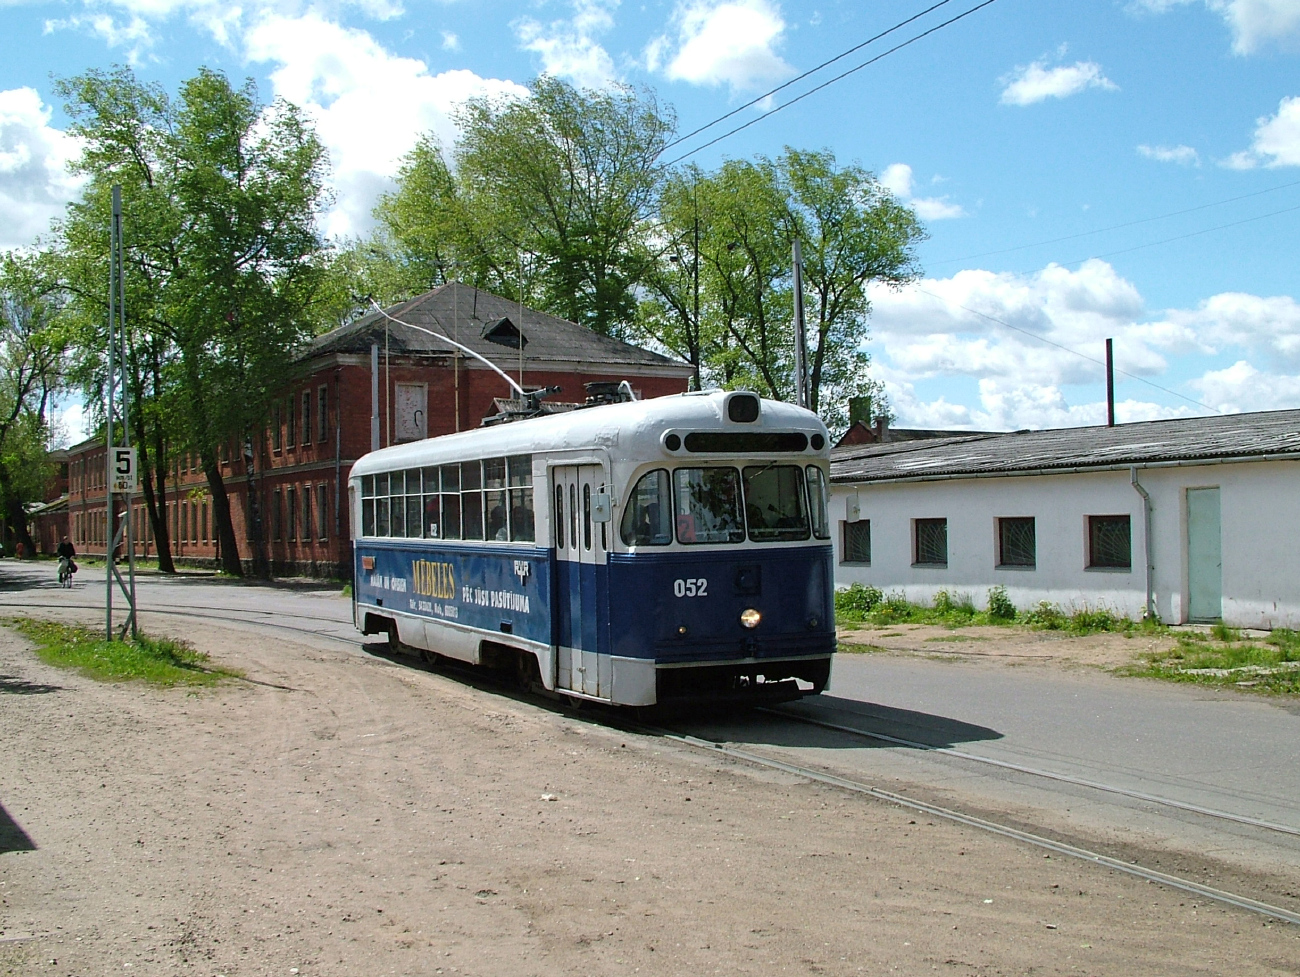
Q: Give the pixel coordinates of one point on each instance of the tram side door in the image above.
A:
(580, 546)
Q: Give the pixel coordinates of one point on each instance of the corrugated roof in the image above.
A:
(1255, 435)
(465, 313)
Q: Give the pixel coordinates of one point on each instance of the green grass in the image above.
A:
(157, 661)
(1225, 658)
(869, 605)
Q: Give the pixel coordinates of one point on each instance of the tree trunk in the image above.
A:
(227, 546)
(154, 508)
(16, 515)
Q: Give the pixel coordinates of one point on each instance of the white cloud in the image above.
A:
(34, 181)
(1254, 23)
(1277, 139)
(1237, 320)
(1036, 82)
(568, 48)
(369, 105)
(731, 43)
(897, 179)
(450, 41)
(1182, 155)
(1242, 387)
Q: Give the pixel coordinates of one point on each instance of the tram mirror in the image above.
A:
(600, 507)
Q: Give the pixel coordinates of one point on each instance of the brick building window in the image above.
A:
(1110, 544)
(275, 428)
(277, 516)
(306, 417)
(322, 509)
(930, 542)
(291, 498)
(322, 413)
(290, 425)
(306, 514)
(1017, 545)
(857, 542)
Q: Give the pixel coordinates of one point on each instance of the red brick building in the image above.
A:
(288, 491)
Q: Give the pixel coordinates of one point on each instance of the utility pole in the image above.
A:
(120, 460)
(695, 280)
(800, 336)
(1110, 383)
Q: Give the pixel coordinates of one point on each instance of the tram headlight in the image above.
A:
(749, 617)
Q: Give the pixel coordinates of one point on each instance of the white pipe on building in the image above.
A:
(1146, 538)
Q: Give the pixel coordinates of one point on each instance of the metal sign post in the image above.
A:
(121, 460)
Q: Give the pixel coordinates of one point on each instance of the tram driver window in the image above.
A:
(774, 504)
(494, 498)
(522, 520)
(707, 505)
(646, 517)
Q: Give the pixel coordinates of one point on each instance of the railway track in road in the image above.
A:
(1044, 774)
(263, 619)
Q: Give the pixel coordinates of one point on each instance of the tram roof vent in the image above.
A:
(743, 408)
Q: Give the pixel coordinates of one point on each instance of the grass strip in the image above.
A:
(157, 661)
(1227, 659)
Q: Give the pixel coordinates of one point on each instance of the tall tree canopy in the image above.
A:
(220, 197)
(547, 198)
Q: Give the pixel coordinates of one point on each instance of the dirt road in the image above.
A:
(339, 814)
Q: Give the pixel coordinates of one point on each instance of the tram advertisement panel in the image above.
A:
(505, 590)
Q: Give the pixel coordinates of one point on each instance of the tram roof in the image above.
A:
(631, 428)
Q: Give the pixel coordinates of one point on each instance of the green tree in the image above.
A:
(32, 365)
(220, 194)
(547, 199)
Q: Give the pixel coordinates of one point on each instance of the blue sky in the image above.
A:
(1024, 135)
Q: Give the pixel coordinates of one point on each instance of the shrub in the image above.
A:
(1087, 620)
(857, 601)
(1224, 633)
(943, 602)
(1000, 606)
(1047, 616)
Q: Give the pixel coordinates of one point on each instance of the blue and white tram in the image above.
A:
(637, 552)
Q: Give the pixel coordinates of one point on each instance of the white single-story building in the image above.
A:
(1196, 519)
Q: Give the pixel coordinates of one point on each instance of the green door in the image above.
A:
(1204, 556)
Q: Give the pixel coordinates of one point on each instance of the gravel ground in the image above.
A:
(341, 814)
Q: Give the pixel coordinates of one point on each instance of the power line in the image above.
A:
(1183, 237)
(1049, 342)
(811, 71)
(826, 84)
(1116, 227)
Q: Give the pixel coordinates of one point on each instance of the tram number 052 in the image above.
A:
(691, 587)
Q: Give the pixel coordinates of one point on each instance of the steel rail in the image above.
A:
(993, 827)
(1046, 774)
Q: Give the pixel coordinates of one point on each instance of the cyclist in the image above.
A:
(67, 565)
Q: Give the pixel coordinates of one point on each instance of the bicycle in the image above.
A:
(66, 569)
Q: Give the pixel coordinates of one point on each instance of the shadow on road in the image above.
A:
(12, 837)
(12, 685)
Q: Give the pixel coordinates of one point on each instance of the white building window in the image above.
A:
(1017, 547)
(856, 537)
(1110, 543)
(930, 542)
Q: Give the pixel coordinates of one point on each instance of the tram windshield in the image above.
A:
(708, 505)
(774, 506)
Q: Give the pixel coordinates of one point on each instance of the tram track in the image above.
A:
(1043, 774)
(740, 754)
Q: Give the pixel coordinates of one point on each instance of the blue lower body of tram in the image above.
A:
(636, 630)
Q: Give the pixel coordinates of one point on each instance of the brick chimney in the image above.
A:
(882, 428)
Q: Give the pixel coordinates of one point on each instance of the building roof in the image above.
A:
(492, 327)
(1255, 436)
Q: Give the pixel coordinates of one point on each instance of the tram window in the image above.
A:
(573, 516)
(494, 504)
(708, 505)
(367, 516)
(558, 517)
(368, 486)
(647, 515)
(381, 516)
(414, 504)
(381, 487)
(451, 517)
(471, 515)
(586, 517)
(494, 473)
(397, 483)
(774, 503)
(821, 526)
(521, 470)
(397, 515)
(471, 475)
(430, 476)
(450, 478)
(522, 521)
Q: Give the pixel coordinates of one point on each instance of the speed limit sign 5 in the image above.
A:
(122, 470)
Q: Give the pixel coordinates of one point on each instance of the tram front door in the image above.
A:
(581, 541)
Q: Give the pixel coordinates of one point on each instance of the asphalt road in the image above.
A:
(1217, 751)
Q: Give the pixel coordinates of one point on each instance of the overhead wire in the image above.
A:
(1061, 346)
(1117, 227)
(798, 78)
(826, 84)
(1189, 234)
